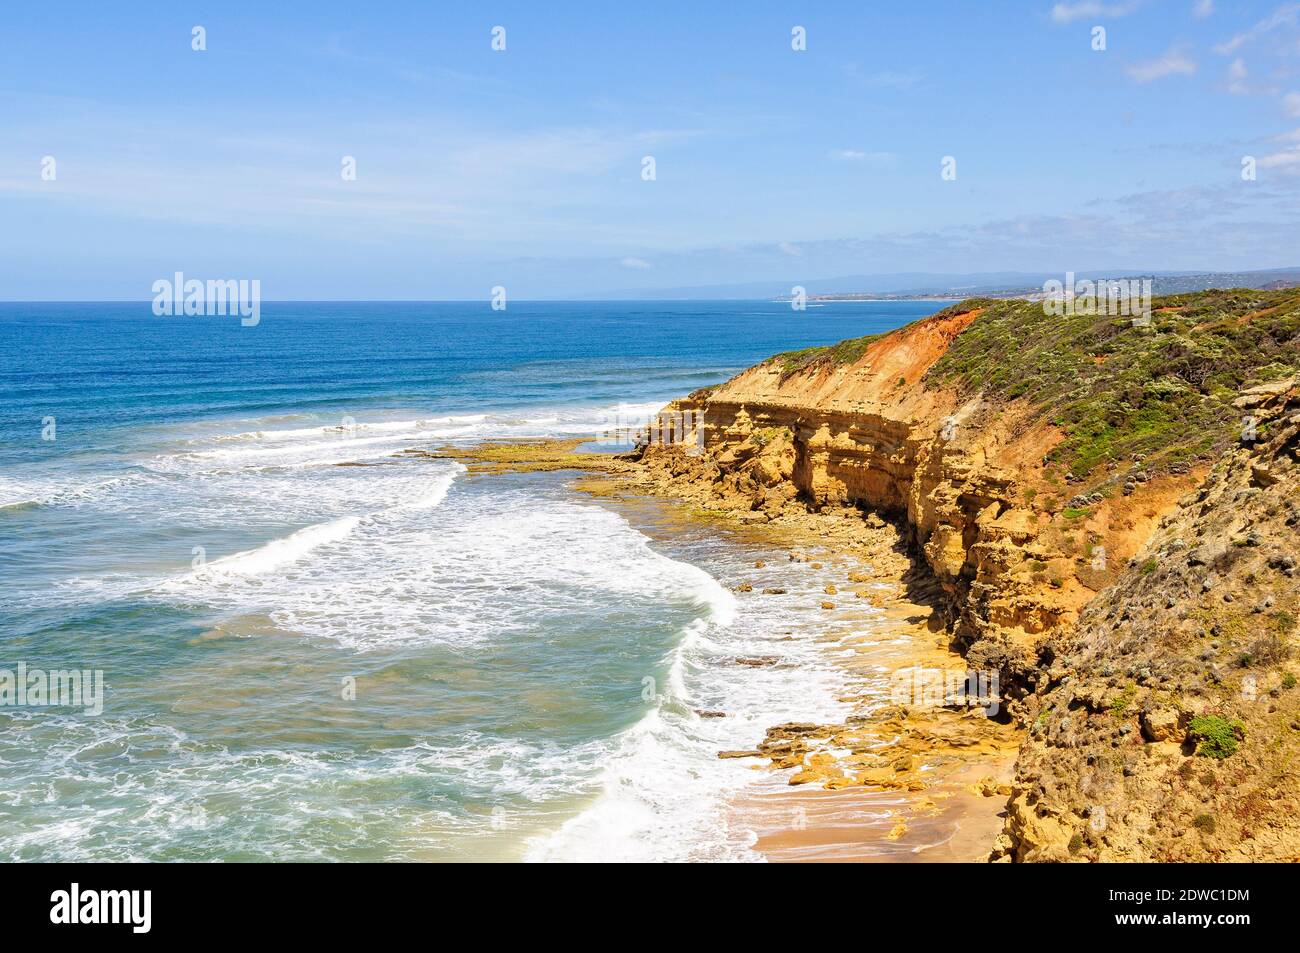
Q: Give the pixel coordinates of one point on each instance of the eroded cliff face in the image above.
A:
(967, 477)
(1142, 613)
(1169, 724)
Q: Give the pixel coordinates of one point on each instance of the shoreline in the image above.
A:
(846, 801)
(890, 783)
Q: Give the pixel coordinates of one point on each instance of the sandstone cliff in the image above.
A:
(1033, 459)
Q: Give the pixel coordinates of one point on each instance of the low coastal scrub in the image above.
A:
(1216, 736)
(763, 436)
(1160, 394)
(834, 355)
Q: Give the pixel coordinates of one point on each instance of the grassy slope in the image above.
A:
(1161, 393)
(1117, 390)
(832, 355)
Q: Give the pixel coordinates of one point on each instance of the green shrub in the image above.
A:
(1216, 736)
(1204, 822)
(763, 436)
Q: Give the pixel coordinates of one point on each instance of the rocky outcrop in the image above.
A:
(1168, 726)
(1065, 483)
(963, 476)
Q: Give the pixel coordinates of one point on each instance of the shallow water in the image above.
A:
(316, 648)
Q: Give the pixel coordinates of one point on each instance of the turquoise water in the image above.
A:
(315, 646)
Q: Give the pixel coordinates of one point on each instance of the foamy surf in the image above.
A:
(280, 552)
(19, 503)
(499, 628)
(263, 562)
(572, 420)
(663, 793)
(437, 491)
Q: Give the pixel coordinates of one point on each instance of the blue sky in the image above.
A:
(522, 168)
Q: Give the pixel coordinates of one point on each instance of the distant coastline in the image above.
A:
(1164, 284)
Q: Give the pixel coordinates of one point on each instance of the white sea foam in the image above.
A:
(220, 801)
(395, 555)
(663, 793)
(14, 493)
(60, 490)
(524, 423)
(280, 552)
(436, 491)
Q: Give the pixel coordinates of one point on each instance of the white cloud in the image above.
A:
(638, 264)
(790, 250)
(1203, 9)
(1173, 63)
(452, 188)
(1069, 12)
(1281, 160)
(1291, 103)
(1237, 78)
(1285, 15)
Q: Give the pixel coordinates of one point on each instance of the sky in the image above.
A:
(524, 167)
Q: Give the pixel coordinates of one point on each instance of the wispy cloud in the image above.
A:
(1213, 227)
(1086, 9)
(1291, 103)
(1174, 62)
(886, 79)
(857, 155)
(1285, 15)
(1237, 78)
(636, 264)
(896, 80)
(1287, 159)
(1203, 9)
(451, 186)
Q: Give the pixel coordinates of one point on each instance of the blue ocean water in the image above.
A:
(316, 646)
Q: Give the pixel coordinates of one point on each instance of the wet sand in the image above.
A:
(946, 824)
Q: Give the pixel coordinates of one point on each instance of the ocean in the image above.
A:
(314, 647)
